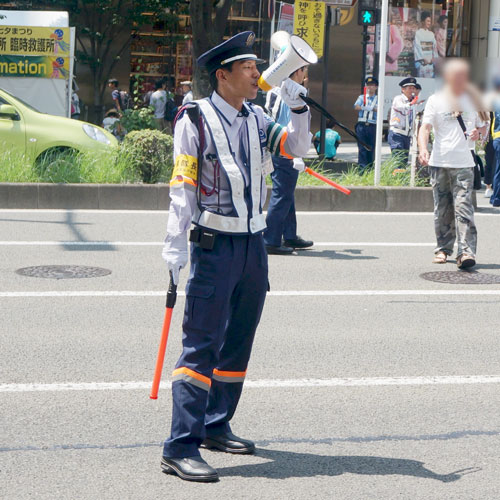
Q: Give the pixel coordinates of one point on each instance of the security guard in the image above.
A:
(280, 235)
(401, 121)
(366, 128)
(222, 147)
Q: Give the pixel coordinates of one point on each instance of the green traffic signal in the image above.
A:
(367, 17)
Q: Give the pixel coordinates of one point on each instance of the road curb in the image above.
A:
(155, 197)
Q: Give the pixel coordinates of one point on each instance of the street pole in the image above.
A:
(365, 51)
(324, 94)
(381, 89)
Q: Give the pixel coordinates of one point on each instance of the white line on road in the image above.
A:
(161, 243)
(265, 383)
(276, 293)
(165, 212)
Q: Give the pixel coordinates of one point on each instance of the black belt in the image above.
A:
(366, 124)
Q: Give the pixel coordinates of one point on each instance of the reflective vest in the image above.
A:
(246, 216)
(365, 115)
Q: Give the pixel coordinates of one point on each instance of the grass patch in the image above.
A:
(355, 177)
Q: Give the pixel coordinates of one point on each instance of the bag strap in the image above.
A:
(464, 130)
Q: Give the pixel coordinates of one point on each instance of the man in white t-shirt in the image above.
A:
(158, 102)
(452, 163)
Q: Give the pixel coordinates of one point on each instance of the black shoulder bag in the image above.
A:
(478, 167)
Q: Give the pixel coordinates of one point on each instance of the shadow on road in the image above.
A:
(337, 254)
(287, 464)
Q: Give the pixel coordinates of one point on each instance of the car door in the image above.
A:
(12, 132)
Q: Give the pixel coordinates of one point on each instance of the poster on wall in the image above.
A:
(309, 23)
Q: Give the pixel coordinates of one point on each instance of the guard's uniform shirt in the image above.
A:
(368, 113)
(227, 285)
(400, 128)
(366, 128)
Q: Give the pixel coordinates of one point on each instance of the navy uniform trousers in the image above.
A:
(367, 133)
(400, 148)
(281, 220)
(225, 295)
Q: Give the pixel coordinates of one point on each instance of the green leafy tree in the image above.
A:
(103, 33)
(209, 21)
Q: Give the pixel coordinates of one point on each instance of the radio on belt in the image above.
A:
(204, 238)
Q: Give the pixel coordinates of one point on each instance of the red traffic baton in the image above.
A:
(342, 189)
(171, 299)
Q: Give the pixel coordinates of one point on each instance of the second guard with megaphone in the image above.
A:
(280, 235)
(222, 147)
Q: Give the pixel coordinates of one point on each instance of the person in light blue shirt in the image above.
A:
(332, 141)
(366, 128)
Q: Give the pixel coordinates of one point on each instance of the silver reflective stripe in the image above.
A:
(226, 158)
(276, 107)
(191, 380)
(229, 380)
(222, 223)
(255, 174)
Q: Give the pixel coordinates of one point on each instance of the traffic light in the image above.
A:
(367, 17)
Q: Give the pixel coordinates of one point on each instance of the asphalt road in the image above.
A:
(366, 382)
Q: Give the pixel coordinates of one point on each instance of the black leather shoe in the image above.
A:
(229, 443)
(190, 469)
(273, 250)
(298, 243)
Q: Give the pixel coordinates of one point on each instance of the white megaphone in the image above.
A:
(297, 53)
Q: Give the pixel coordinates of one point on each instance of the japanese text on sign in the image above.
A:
(34, 41)
(309, 23)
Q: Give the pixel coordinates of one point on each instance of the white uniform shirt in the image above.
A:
(450, 148)
(292, 141)
(401, 115)
(188, 97)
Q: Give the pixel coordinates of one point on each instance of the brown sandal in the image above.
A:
(440, 258)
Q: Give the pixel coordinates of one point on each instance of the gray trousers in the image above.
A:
(454, 210)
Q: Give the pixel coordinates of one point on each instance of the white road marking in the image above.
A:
(275, 293)
(265, 383)
(161, 243)
(165, 212)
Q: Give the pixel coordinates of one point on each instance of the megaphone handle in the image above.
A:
(315, 105)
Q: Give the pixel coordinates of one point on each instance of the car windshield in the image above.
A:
(29, 106)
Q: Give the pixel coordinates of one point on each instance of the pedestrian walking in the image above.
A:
(456, 117)
(366, 128)
(121, 98)
(158, 102)
(222, 147)
(280, 235)
(401, 121)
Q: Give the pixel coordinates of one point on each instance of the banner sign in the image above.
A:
(34, 41)
(34, 66)
(309, 23)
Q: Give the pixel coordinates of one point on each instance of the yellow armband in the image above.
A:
(186, 166)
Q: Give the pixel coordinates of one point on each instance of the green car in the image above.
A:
(39, 135)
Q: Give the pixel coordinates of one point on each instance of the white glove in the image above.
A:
(176, 259)
(298, 164)
(290, 92)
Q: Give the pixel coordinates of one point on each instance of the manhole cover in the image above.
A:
(63, 272)
(462, 277)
